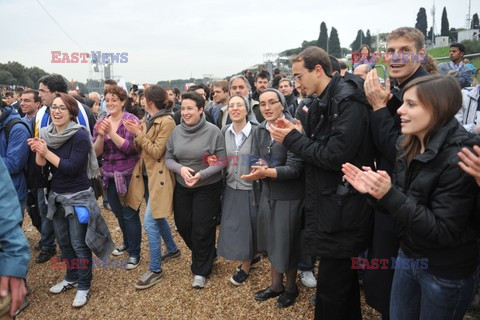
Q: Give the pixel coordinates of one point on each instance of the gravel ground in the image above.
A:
(113, 295)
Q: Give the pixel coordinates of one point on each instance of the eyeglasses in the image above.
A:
(298, 76)
(269, 103)
(62, 109)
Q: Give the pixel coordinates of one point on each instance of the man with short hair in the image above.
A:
(173, 97)
(405, 53)
(30, 104)
(362, 70)
(9, 98)
(456, 66)
(220, 103)
(72, 92)
(261, 83)
(239, 85)
(343, 67)
(338, 220)
(14, 150)
(286, 88)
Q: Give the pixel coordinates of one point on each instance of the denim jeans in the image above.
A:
(417, 294)
(156, 230)
(71, 239)
(128, 219)
(47, 239)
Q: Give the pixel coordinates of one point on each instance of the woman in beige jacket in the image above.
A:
(153, 181)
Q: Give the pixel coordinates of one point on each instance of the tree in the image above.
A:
(358, 40)
(334, 44)
(368, 39)
(6, 77)
(422, 21)
(445, 26)
(475, 22)
(322, 41)
(430, 33)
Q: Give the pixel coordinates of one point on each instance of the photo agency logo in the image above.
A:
(382, 57)
(93, 57)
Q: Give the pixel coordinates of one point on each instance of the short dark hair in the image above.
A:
(116, 90)
(313, 56)
(19, 90)
(460, 46)
(342, 64)
(262, 75)
(196, 97)
(110, 81)
(70, 103)
(9, 94)
(335, 64)
(54, 82)
(36, 96)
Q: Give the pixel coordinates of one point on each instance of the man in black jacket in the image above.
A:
(338, 220)
(405, 52)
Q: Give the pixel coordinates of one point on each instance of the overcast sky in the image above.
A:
(176, 39)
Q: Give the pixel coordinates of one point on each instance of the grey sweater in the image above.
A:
(190, 146)
(239, 160)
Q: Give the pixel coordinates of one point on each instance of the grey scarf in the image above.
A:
(160, 113)
(56, 139)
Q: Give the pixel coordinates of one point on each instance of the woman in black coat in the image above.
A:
(433, 203)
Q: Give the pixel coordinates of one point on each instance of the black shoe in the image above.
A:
(253, 263)
(239, 278)
(287, 299)
(45, 256)
(266, 294)
(38, 246)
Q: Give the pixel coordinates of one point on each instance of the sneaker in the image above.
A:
(171, 256)
(120, 250)
(81, 298)
(148, 279)
(308, 279)
(198, 282)
(239, 278)
(45, 256)
(24, 304)
(133, 263)
(253, 263)
(63, 286)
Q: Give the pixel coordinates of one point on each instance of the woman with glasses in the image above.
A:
(238, 228)
(281, 201)
(65, 146)
(115, 143)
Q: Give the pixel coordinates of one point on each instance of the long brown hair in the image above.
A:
(442, 96)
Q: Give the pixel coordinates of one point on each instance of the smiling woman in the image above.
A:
(432, 201)
(197, 191)
(115, 143)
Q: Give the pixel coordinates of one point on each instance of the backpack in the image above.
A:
(9, 126)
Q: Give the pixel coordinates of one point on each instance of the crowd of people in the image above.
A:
(326, 168)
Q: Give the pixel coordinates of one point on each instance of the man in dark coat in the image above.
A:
(338, 220)
(405, 52)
